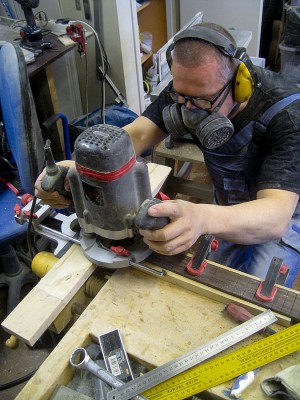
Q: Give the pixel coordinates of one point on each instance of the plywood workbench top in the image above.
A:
(158, 320)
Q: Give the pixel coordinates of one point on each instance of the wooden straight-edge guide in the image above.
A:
(286, 301)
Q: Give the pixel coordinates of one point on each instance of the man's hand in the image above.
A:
(54, 199)
(180, 234)
(252, 222)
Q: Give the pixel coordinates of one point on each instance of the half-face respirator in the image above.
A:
(212, 129)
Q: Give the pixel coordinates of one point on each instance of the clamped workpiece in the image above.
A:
(197, 263)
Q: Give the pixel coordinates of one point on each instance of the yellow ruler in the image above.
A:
(222, 369)
(189, 360)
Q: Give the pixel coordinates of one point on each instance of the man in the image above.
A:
(256, 174)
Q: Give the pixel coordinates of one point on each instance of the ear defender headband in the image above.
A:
(245, 79)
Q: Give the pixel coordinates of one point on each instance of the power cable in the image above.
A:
(104, 64)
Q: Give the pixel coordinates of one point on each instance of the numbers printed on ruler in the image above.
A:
(191, 359)
(224, 368)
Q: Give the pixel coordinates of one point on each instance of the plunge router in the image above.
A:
(111, 194)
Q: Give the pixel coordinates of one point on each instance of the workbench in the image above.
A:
(158, 321)
(160, 317)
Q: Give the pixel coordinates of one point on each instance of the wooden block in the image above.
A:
(29, 320)
(182, 150)
(63, 319)
(219, 296)
(158, 175)
(232, 283)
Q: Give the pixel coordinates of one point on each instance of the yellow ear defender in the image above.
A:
(243, 84)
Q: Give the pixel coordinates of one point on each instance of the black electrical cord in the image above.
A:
(26, 377)
(42, 17)
(16, 382)
(29, 242)
(104, 65)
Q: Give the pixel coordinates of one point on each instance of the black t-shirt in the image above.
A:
(279, 164)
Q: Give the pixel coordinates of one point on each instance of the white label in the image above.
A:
(114, 365)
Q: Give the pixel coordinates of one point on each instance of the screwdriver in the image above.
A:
(240, 315)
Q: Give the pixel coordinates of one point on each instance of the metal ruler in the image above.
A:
(191, 359)
(222, 369)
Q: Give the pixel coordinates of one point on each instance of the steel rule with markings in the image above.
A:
(222, 369)
(175, 367)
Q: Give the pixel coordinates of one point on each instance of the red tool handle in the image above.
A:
(240, 315)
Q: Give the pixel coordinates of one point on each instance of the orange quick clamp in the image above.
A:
(277, 273)
(197, 263)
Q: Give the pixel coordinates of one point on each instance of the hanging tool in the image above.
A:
(75, 32)
(277, 273)
(197, 264)
(189, 360)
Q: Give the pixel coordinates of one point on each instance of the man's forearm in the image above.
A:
(144, 134)
(253, 222)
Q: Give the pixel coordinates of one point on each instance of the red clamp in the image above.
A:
(120, 251)
(265, 298)
(197, 264)
(17, 210)
(162, 196)
(9, 186)
(27, 214)
(26, 198)
(76, 33)
(277, 273)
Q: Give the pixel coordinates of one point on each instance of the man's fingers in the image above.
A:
(169, 208)
(169, 248)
